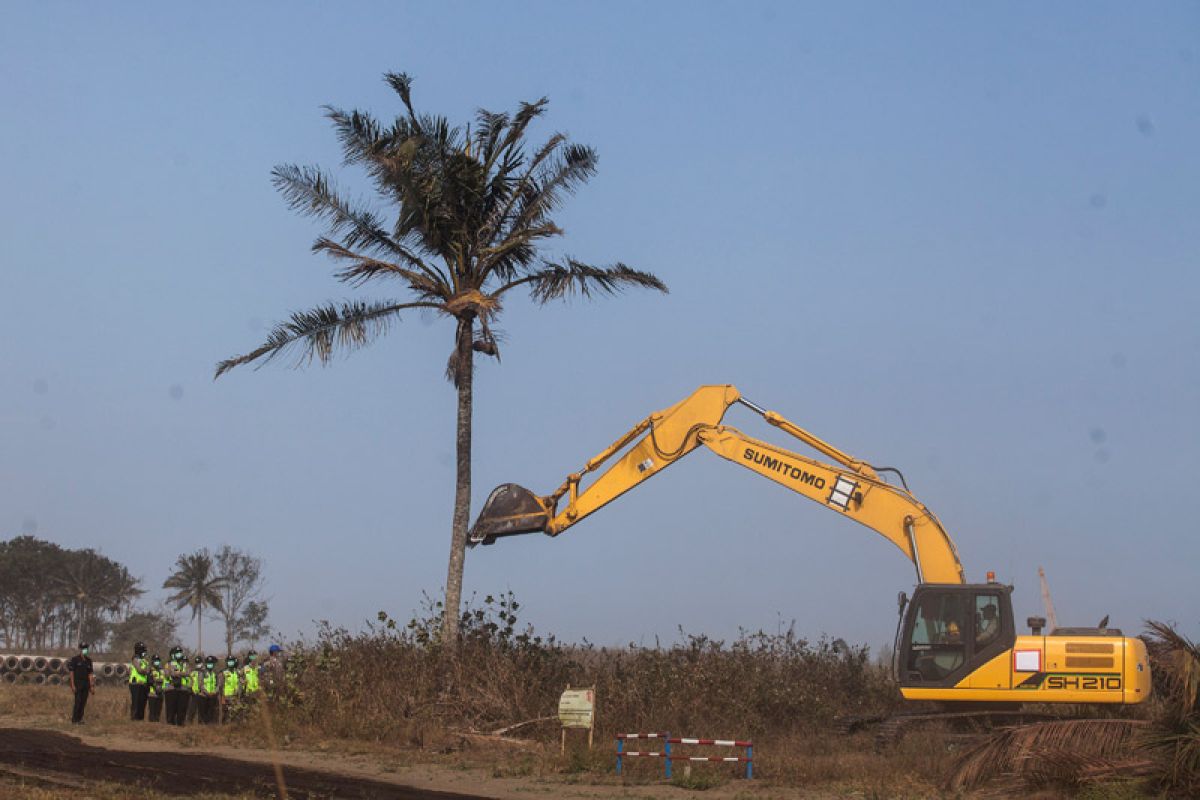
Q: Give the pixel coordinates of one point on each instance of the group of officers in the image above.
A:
(179, 693)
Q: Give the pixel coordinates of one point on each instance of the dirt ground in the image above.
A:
(54, 759)
(43, 757)
(43, 763)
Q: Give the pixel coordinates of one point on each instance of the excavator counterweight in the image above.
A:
(510, 510)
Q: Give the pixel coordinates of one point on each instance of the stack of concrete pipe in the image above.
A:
(38, 670)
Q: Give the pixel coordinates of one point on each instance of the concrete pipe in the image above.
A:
(11, 662)
(122, 671)
(107, 670)
(37, 679)
(40, 663)
(9, 677)
(54, 680)
(56, 665)
(25, 663)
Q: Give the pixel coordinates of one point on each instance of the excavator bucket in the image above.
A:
(509, 510)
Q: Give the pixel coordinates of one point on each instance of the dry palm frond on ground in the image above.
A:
(1059, 753)
(1175, 741)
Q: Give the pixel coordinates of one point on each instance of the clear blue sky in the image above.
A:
(956, 239)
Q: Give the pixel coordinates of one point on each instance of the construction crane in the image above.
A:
(1047, 603)
(956, 643)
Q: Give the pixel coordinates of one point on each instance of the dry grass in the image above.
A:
(395, 683)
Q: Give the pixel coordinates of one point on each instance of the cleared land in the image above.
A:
(54, 760)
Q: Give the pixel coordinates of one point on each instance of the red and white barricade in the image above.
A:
(668, 757)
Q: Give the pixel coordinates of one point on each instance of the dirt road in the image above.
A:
(53, 759)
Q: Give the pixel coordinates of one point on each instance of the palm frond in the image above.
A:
(489, 127)
(515, 131)
(321, 331)
(1177, 661)
(1036, 752)
(363, 268)
(505, 191)
(401, 83)
(361, 135)
(311, 192)
(556, 281)
(556, 178)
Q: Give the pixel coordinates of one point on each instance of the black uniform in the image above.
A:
(80, 668)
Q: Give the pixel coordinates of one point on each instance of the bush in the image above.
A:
(396, 682)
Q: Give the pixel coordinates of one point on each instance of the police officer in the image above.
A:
(157, 687)
(83, 681)
(231, 686)
(208, 692)
(251, 682)
(195, 701)
(139, 682)
(178, 685)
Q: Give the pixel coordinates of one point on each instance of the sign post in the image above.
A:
(577, 709)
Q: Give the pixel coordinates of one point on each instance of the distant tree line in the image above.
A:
(52, 597)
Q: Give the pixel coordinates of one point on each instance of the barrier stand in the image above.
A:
(747, 759)
(622, 753)
(667, 756)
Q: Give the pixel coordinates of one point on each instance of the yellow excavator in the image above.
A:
(957, 642)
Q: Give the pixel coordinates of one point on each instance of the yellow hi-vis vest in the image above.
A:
(230, 685)
(139, 671)
(251, 673)
(156, 682)
(210, 682)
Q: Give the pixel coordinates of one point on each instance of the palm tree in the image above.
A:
(197, 585)
(470, 213)
(92, 584)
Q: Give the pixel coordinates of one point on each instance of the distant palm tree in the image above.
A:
(92, 583)
(197, 585)
(471, 212)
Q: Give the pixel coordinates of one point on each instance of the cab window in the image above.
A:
(937, 647)
(987, 620)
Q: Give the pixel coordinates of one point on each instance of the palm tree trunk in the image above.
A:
(462, 489)
(200, 628)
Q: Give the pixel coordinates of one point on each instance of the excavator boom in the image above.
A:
(851, 487)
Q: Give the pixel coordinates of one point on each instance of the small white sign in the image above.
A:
(1028, 661)
(577, 708)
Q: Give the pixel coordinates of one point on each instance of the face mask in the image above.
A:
(84, 651)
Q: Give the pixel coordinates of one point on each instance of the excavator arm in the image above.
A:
(848, 486)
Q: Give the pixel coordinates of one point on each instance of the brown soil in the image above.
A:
(58, 759)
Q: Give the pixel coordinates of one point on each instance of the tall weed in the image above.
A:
(396, 681)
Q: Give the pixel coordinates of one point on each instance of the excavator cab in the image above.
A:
(951, 630)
